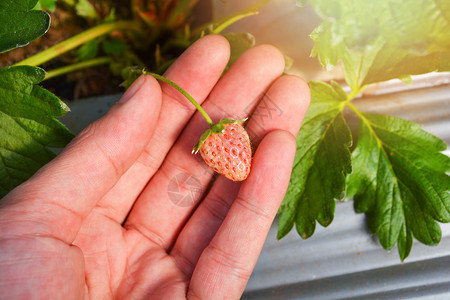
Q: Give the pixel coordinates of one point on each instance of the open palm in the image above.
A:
(126, 211)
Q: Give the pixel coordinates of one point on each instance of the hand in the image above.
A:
(113, 215)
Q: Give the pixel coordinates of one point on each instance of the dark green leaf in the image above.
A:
(13, 5)
(20, 24)
(400, 181)
(27, 125)
(321, 163)
(405, 242)
(381, 40)
(114, 47)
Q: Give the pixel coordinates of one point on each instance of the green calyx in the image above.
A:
(215, 129)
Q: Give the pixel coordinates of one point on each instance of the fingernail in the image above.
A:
(132, 89)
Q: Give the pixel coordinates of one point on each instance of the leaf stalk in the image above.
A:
(77, 40)
(232, 20)
(77, 66)
(355, 92)
(182, 91)
(252, 8)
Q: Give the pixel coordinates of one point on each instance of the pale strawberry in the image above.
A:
(225, 147)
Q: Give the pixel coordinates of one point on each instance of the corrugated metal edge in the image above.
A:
(414, 280)
(345, 261)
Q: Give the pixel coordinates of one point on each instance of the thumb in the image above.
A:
(93, 162)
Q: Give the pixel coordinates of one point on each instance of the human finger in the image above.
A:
(227, 262)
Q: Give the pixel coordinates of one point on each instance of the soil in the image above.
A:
(89, 82)
(99, 80)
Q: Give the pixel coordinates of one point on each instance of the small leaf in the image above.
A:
(114, 47)
(406, 79)
(71, 3)
(89, 50)
(20, 24)
(49, 4)
(111, 17)
(130, 74)
(400, 181)
(38, 6)
(28, 125)
(85, 9)
(321, 163)
(382, 40)
(202, 139)
(288, 62)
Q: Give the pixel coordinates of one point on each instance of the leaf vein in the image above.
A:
(423, 178)
(318, 139)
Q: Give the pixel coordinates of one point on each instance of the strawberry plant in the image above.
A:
(392, 169)
(396, 174)
(27, 111)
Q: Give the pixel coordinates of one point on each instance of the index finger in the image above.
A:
(232, 254)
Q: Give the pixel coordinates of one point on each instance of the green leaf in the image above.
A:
(28, 125)
(49, 4)
(71, 3)
(114, 47)
(239, 43)
(400, 181)
(288, 62)
(10, 5)
(89, 50)
(111, 17)
(38, 6)
(130, 74)
(321, 163)
(85, 9)
(20, 24)
(233, 20)
(381, 40)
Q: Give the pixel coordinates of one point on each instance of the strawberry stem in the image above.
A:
(189, 97)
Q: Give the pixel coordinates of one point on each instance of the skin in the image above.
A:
(98, 221)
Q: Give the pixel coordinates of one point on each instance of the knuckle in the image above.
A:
(228, 263)
(253, 208)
